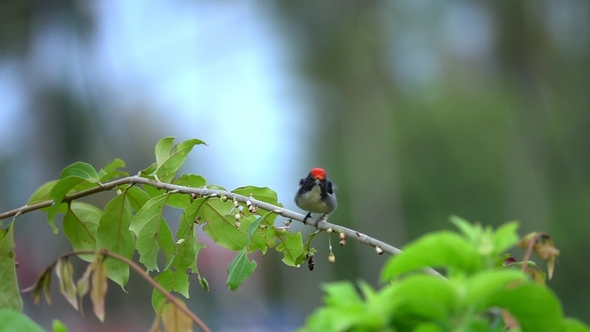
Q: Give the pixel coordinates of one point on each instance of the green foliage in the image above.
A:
(13, 321)
(479, 280)
(239, 270)
(80, 224)
(113, 234)
(134, 220)
(151, 231)
(9, 293)
(478, 295)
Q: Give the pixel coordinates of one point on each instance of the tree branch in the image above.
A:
(145, 275)
(323, 225)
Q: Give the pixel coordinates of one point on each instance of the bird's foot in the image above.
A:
(323, 217)
(308, 215)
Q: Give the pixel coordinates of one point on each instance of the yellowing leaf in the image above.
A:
(65, 274)
(175, 320)
(99, 287)
(83, 284)
(545, 249)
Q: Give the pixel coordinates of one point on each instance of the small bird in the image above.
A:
(316, 194)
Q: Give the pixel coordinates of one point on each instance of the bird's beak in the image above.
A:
(317, 182)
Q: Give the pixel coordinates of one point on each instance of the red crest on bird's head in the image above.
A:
(318, 174)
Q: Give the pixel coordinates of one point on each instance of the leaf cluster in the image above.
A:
(134, 220)
(485, 289)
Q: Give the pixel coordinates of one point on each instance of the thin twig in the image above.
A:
(145, 275)
(323, 225)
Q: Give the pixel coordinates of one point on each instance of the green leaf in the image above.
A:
(137, 197)
(171, 281)
(574, 325)
(153, 191)
(175, 278)
(72, 176)
(13, 320)
(80, 170)
(472, 232)
(423, 297)
(505, 237)
(481, 286)
(535, 307)
(256, 236)
(263, 194)
(187, 251)
(291, 246)
(221, 227)
(79, 225)
(110, 170)
(341, 293)
(42, 193)
(59, 326)
(9, 293)
(58, 193)
(441, 249)
(167, 168)
(149, 172)
(239, 270)
(204, 283)
(344, 311)
(165, 241)
(146, 225)
(427, 327)
(179, 200)
(113, 234)
(254, 227)
(163, 149)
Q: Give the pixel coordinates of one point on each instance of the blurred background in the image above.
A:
(417, 109)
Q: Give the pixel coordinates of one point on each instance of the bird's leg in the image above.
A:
(318, 221)
(308, 215)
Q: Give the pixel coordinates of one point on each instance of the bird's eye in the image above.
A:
(330, 188)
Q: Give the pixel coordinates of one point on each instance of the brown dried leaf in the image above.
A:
(65, 274)
(99, 287)
(524, 242)
(83, 285)
(156, 324)
(175, 320)
(545, 249)
(42, 284)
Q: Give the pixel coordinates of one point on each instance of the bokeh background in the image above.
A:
(417, 109)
